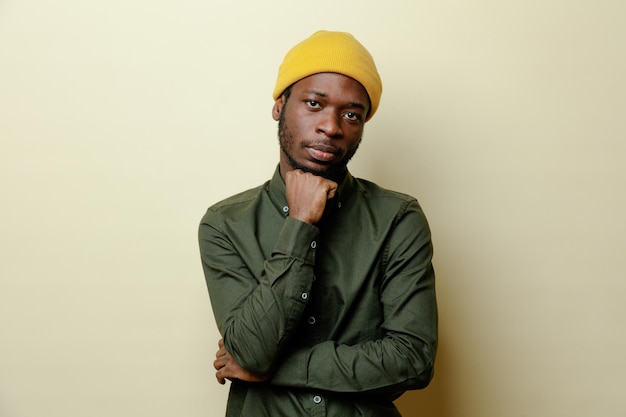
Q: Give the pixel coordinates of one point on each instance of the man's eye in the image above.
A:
(353, 116)
(313, 104)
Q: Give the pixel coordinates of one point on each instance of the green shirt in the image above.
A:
(342, 314)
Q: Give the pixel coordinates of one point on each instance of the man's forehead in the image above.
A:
(325, 84)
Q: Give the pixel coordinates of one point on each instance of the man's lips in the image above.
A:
(322, 153)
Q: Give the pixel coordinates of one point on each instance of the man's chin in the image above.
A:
(331, 172)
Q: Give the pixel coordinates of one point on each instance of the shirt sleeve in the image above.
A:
(403, 358)
(256, 315)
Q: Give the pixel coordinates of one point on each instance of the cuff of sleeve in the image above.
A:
(297, 239)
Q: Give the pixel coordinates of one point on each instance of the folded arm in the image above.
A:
(403, 358)
(257, 312)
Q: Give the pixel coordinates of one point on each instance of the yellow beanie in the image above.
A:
(337, 52)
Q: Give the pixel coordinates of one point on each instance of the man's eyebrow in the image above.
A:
(357, 105)
(317, 93)
(350, 104)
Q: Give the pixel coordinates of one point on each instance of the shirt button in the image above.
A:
(286, 209)
(311, 320)
(304, 296)
(339, 204)
(317, 399)
(314, 244)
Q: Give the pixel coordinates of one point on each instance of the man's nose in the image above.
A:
(330, 124)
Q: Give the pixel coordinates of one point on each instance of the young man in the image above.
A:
(321, 284)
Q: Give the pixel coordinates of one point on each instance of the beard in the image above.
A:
(334, 172)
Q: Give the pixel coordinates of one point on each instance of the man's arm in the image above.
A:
(257, 314)
(404, 357)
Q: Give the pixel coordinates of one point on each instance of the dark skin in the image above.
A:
(321, 124)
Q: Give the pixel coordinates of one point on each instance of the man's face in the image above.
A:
(321, 123)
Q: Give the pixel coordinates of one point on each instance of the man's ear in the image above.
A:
(278, 107)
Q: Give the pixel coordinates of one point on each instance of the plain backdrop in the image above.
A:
(122, 121)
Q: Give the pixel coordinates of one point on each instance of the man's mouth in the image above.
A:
(322, 153)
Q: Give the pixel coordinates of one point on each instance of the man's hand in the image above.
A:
(307, 195)
(228, 368)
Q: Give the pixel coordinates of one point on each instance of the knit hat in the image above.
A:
(337, 52)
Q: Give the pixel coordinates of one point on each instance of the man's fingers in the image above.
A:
(331, 193)
(307, 195)
(222, 350)
(228, 368)
(221, 362)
